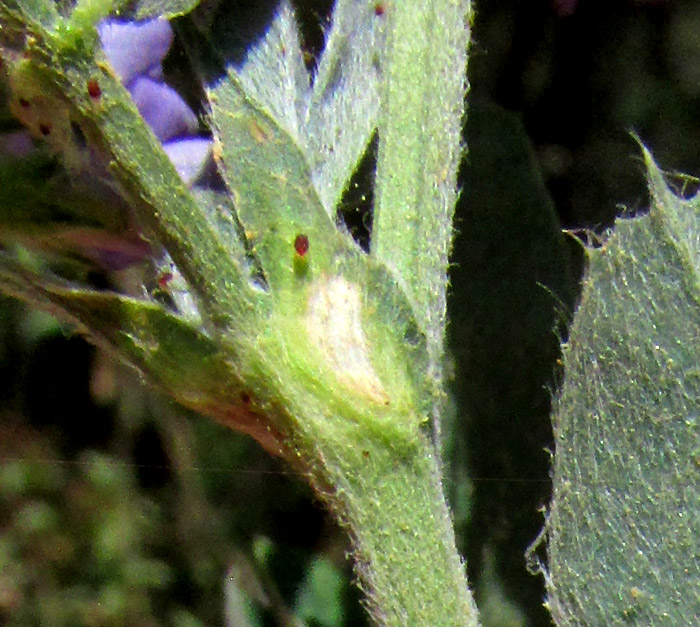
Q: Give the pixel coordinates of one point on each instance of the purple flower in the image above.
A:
(136, 50)
(190, 155)
(163, 109)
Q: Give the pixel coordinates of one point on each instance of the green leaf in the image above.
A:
(511, 283)
(270, 183)
(145, 9)
(623, 544)
(344, 103)
(419, 152)
(331, 122)
(320, 597)
(274, 73)
(43, 12)
(173, 354)
(495, 608)
(87, 13)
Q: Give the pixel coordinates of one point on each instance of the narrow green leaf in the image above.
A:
(87, 13)
(175, 356)
(272, 191)
(419, 151)
(623, 528)
(42, 12)
(331, 122)
(145, 9)
(320, 596)
(344, 104)
(163, 346)
(274, 73)
(503, 309)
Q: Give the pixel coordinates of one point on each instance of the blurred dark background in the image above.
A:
(119, 509)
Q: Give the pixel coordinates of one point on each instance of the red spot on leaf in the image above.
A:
(93, 88)
(301, 244)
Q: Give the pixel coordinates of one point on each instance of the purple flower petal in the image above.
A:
(15, 145)
(189, 156)
(163, 109)
(155, 72)
(132, 48)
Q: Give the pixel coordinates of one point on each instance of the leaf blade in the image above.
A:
(270, 182)
(344, 104)
(627, 427)
(274, 73)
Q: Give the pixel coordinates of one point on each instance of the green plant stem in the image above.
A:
(404, 546)
(419, 151)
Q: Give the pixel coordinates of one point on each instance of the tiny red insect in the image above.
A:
(379, 9)
(45, 129)
(164, 279)
(301, 244)
(93, 88)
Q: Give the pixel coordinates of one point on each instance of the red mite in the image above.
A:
(164, 279)
(379, 9)
(93, 88)
(301, 244)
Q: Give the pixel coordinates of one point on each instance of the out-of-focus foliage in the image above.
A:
(516, 281)
(80, 545)
(118, 509)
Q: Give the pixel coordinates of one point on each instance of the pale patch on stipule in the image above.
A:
(334, 326)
